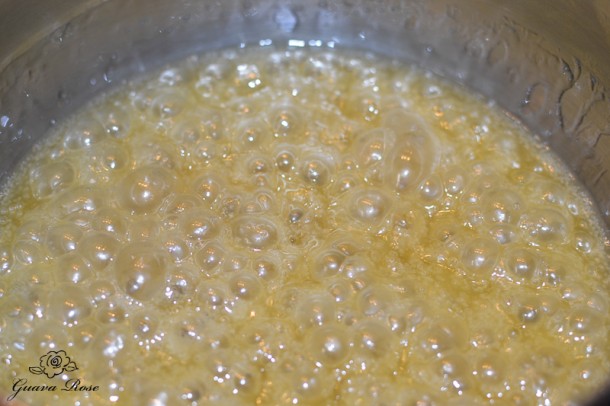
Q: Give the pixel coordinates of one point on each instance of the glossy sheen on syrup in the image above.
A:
(301, 227)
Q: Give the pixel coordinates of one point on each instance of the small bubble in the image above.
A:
(257, 233)
(284, 161)
(144, 189)
(369, 206)
(245, 286)
(329, 345)
(315, 310)
(479, 259)
(140, 270)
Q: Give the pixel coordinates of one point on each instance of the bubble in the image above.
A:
(98, 248)
(210, 257)
(116, 122)
(479, 259)
(548, 191)
(340, 289)
(266, 269)
(406, 167)
(373, 338)
(63, 238)
(143, 229)
(198, 224)
(285, 161)
(245, 286)
(355, 266)
(177, 248)
(315, 310)
(437, 339)
(194, 392)
(454, 370)
(230, 206)
(247, 382)
(432, 188)
(247, 78)
(369, 206)
(143, 190)
(374, 146)
(51, 178)
(361, 105)
(100, 291)
(211, 76)
(257, 233)
(585, 242)
(287, 121)
(252, 133)
(168, 103)
(32, 229)
(6, 259)
(521, 263)
(416, 152)
(111, 313)
(234, 262)
(315, 172)
(112, 157)
(108, 343)
(110, 221)
(208, 188)
(546, 226)
(155, 154)
(81, 199)
(83, 334)
(374, 300)
(328, 264)
(212, 294)
(73, 268)
(345, 183)
(47, 336)
(329, 345)
(179, 203)
(218, 363)
(528, 314)
(501, 206)
(455, 181)
(309, 386)
(144, 326)
(83, 133)
(27, 252)
(140, 270)
(180, 285)
(258, 165)
(188, 130)
(503, 234)
(490, 371)
(69, 304)
(584, 320)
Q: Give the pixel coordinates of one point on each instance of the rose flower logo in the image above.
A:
(54, 363)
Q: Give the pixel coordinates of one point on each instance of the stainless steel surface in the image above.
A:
(545, 62)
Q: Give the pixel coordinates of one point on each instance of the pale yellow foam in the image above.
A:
(301, 227)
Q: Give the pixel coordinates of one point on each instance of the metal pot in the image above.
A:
(546, 62)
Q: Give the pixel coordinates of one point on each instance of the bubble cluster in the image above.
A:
(300, 226)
